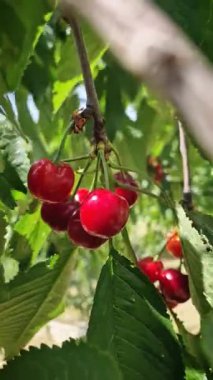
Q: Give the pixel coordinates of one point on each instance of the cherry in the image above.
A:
(174, 285)
(150, 268)
(104, 213)
(50, 182)
(57, 215)
(79, 236)
(173, 245)
(81, 195)
(130, 195)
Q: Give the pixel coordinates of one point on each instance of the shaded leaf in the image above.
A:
(76, 361)
(198, 255)
(20, 27)
(129, 320)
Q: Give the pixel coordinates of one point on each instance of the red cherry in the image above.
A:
(174, 285)
(104, 213)
(150, 268)
(130, 195)
(57, 215)
(81, 195)
(171, 304)
(79, 236)
(173, 245)
(50, 182)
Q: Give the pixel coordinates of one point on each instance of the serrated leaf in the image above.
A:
(14, 148)
(20, 27)
(30, 300)
(129, 320)
(198, 256)
(203, 223)
(10, 267)
(76, 361)
(34, 229)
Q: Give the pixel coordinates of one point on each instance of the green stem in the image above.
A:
(105, 169)
(137, 189)
(79, 158)
(95, 181)
(124, 168)
(116, 155)
(158, 255)
(63, 140)
(130, 250)
(81, 177)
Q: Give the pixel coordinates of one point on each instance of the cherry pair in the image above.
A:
(173, 284)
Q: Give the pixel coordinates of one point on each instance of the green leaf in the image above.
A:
(195, 17)
(193, 374)
(31, 300)
(129, 320)
(14, 149)
(34, 229)
(21, 24)
(10, 267)
(203, 223)
(5, 192)
(206, 337)
(76, 361)
(198, 255)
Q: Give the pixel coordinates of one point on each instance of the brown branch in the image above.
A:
(187, 192)
(153, 48)
(92, 105)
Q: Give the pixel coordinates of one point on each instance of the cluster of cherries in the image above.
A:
(89, 217)
(173, 284)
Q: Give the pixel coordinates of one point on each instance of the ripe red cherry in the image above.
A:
(174, 285)
(130, 195)
(104, 213)
(79, 236)
(150, 268)
(50, 182)
(81, 195)
(173, 245)
(57, 215)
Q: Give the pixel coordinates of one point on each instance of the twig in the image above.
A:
(187, 192)
(92, 104)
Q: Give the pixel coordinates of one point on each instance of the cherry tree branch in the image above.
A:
(92, 105)
(152, 47)
(187, 192)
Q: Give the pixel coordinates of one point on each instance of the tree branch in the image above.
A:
(153, 48)
(92, 105)
(187, 192)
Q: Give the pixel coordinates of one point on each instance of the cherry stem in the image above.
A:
(111, 246)
(63, 140)
(187, 192)
(105, 168)
(130, 251)
(81, 177)
(95, 181)
(159, 254)
(137, 189)
(79, 158)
